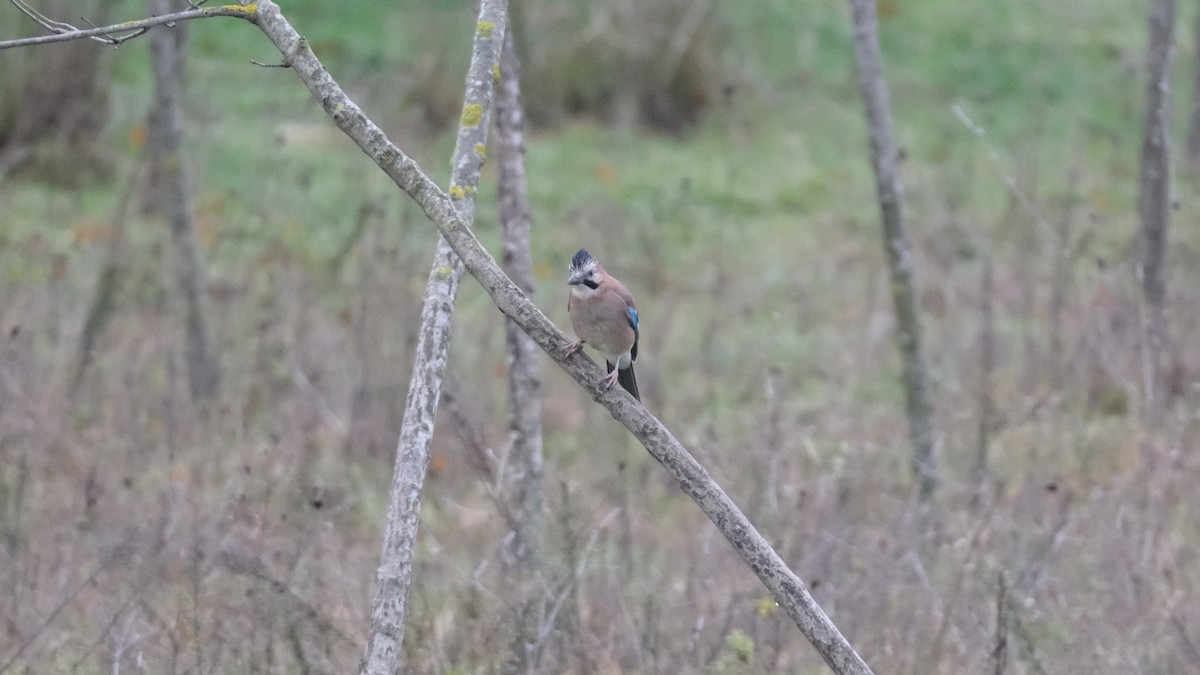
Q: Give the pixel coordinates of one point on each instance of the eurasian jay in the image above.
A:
(603, 315)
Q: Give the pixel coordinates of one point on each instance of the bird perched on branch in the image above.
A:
(604, 316)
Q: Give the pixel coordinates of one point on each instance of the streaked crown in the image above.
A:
(581, 260)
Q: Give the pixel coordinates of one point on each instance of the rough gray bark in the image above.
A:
(392, 581)
(1154, 195)
(167, 50)
(524, 378)
(787, 589)
(884, 160)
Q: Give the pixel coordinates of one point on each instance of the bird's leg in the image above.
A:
(573, 349)
(610, 380)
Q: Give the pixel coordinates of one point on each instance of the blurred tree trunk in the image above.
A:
(57, 95)
(1154, 196)
(168, 169)
(1193, 137)
(884, 160)
(524, 482)
(111, 277)
(392, 580)
(524, 378)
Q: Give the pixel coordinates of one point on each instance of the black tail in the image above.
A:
(626, 379)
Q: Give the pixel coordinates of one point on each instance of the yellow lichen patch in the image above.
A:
(485, 28)
(480, 150)
(456, 192)
(251, 8)
(496, 73)
(472, 115)
(444, 272)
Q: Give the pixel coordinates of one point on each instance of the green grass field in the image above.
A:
(142, 532)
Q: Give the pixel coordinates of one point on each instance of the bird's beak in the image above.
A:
(575, 280)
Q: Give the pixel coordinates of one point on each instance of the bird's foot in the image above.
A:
(608, 382)
(573, 349)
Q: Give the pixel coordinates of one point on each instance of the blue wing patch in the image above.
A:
(632, 315)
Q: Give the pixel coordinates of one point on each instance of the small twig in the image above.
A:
(116, 41)
(61, 27)
(120, 552)
(41, 19)
(120, 32)
(252, 567)
(103, 635)
(987, 366)
(956, 594)
(1025, 640)
(1010, 180)
(485, 462)
(1000, 653)
(324, 409)
(570, 585)
(281, 64)
(1189, 646)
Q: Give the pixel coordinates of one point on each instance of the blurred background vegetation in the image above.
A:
(714, 156)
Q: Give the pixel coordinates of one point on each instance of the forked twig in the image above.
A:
(62, 28)
(118, 33)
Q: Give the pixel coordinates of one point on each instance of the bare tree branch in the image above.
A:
(62, 32)
(61, 28)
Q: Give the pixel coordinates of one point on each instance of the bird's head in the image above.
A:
(585, 270)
